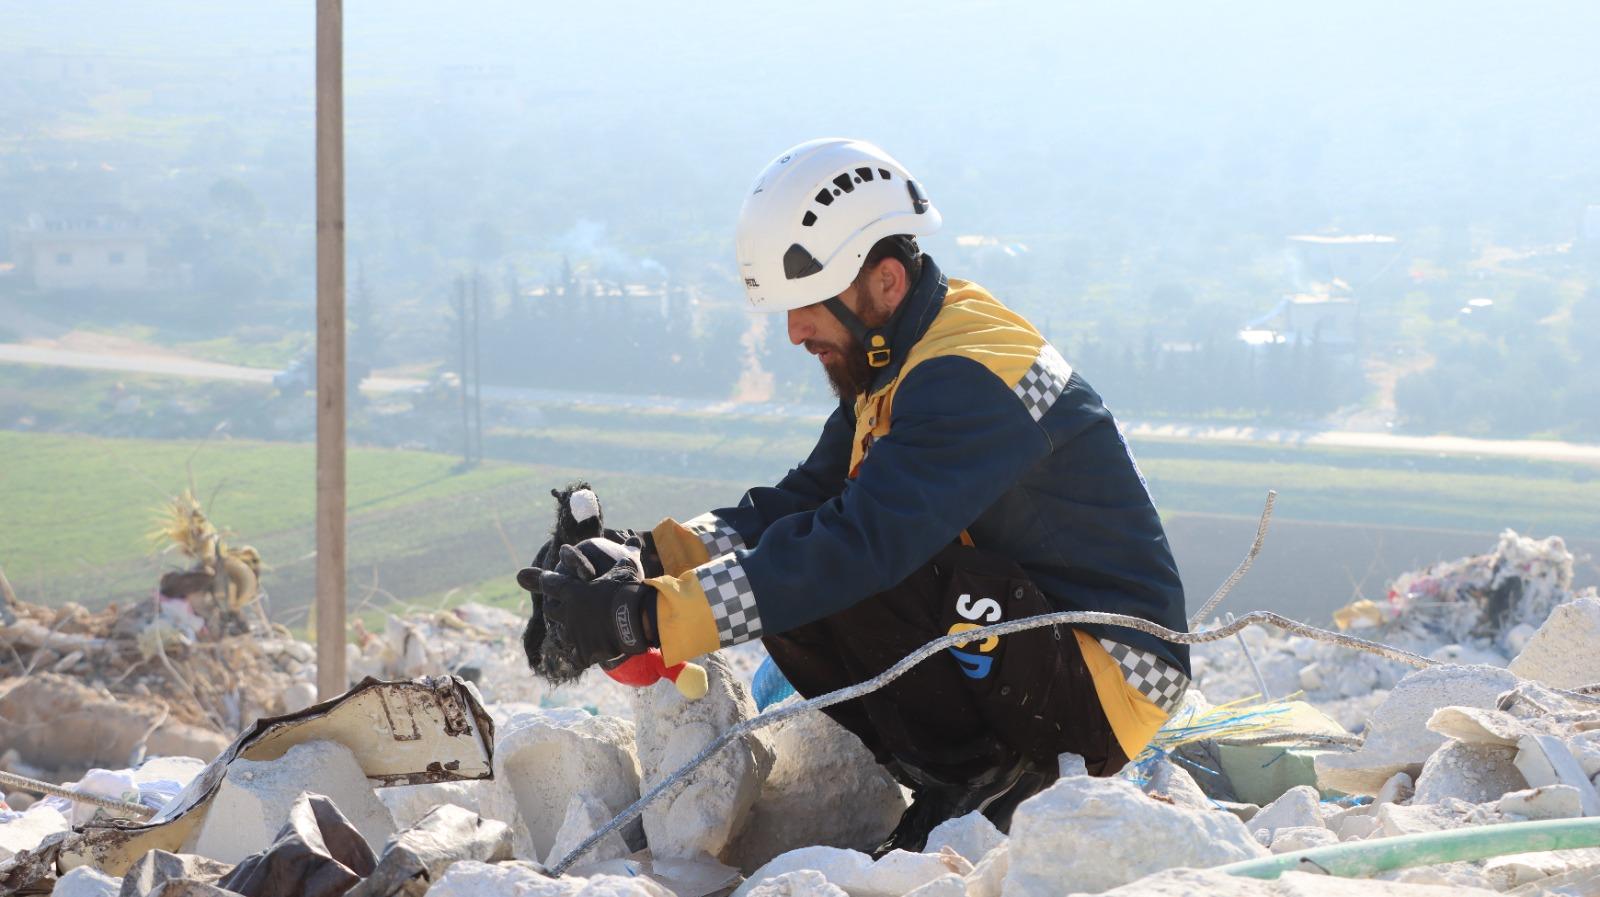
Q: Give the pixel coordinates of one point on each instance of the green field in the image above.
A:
(77, 511)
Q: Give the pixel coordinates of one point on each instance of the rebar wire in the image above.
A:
(12, 780)
(1009, 627)
(1244, 565)
(1292, 738)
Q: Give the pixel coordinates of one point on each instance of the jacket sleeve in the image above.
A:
(819, 478)
(959, 438)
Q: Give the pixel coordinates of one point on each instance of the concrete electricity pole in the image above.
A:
(330, 351)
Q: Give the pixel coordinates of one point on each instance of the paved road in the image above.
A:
(167, 365)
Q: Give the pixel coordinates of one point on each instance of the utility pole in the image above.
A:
(463, 371)
(330, 351)
(477, 371)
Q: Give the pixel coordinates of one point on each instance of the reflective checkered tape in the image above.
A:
(733, 602)
(1151, 676)
(1044, 382)
(718, 537)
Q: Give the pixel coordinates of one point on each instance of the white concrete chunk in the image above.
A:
(972, 836)
(548, 757)
(87, 881)
(800, 883)
(896, 874)
(469, 878)
(25, 832)
(1208, 883)
(1544, 760)
(1565, 651)
(817, 764)
(1397, 739)
(1549, 802)
(944, 886)
(1308, 837)
(701, 815)
(988, 878)
(1100, 833)
(585, 815)
(253, 801)
(1475, 773)
(1296, 808)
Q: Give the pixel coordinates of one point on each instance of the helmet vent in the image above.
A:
(844, 183)
(810, 219)
(883, 173)
(864, 174)
(825, 196)
(798, 262)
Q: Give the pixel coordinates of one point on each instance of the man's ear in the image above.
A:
(889, 283)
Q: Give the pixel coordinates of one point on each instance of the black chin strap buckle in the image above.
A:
(879, 352)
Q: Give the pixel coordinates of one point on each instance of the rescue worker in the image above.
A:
(969, 475)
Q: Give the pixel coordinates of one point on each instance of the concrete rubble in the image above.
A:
(702, 814)
(356, 798)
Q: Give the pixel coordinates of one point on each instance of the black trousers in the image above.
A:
(1026, 696)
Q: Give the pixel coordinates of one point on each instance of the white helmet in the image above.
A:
(814, 214)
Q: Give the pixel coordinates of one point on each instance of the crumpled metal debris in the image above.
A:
(415, 858)
(318, 853)
(402, 733)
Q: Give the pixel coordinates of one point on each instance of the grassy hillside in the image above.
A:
(77, 510)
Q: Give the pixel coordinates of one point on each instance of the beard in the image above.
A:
(849, 374)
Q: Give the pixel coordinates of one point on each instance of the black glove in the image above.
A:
(599, 617)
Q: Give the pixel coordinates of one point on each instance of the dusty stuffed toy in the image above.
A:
(579, 517)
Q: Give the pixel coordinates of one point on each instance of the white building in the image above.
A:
(85, 253)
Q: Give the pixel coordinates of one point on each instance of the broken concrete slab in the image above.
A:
(86, 881)
(522, 879)
(255, 798)
(28, 830)
(1198, 882)
(1523, 869)
(415, 858)
(159, 866)
(1565, 651)
(817, 763)
(1545, 760)
(972, 836)
(1297, 838)
(1297, 808)
(1100, 833)
(988, 877)
(1475, 773)
(944, 886)
(409, 803)
(1397, 738)
(56, 722)
(896, 874)
(702, 813)
(585, 815)
(548, 757)
(1548, 802)
(799, 883)
(179, 739)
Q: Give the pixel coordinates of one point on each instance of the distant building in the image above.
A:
(1327, 317)
(99, 252)
(1355, 259)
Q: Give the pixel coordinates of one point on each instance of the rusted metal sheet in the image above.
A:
(425, 730)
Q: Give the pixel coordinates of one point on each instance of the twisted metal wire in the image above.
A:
(1061, 618)
(1244, 565)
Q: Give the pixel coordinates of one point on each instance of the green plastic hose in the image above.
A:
(1362, 858)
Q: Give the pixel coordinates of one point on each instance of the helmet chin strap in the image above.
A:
(877, 345)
